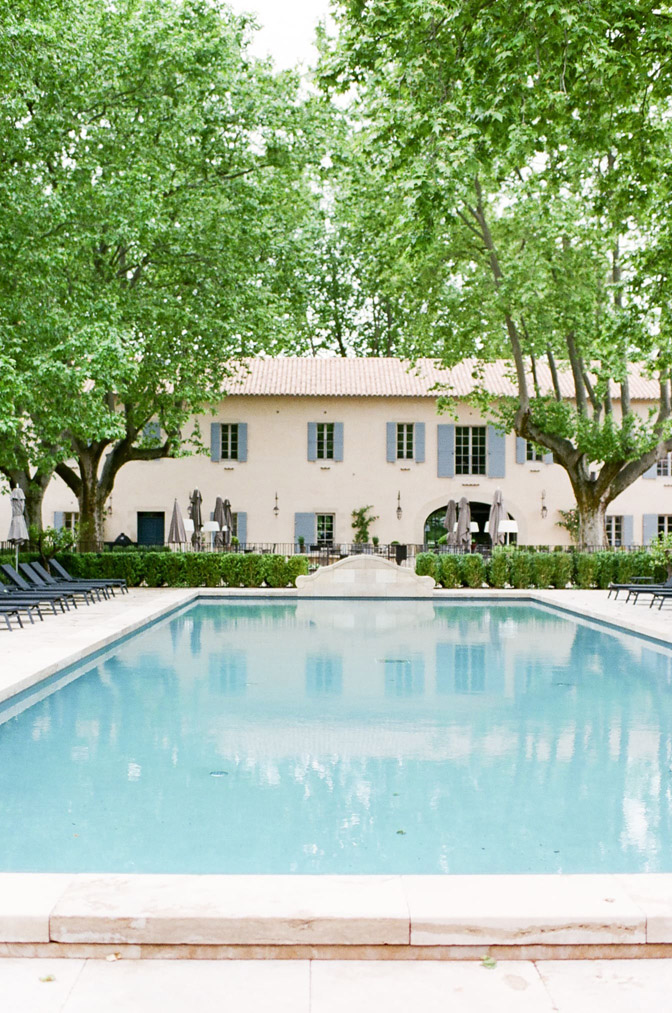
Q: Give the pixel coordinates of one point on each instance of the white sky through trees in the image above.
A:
(287, 31)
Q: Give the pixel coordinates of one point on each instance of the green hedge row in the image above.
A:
(519, 569)
(183, 569)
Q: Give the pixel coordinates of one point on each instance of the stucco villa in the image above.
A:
(298, 443)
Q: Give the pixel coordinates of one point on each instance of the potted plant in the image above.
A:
(362, 519)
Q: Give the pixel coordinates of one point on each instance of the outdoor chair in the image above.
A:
(6, 611)
(82, 585)
(72, 591)
(643, 589)
(110, 582)
(13, 596)
(10, 606)
(37, 594)
(635, 582)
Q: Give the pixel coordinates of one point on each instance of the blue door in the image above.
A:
(151, 528)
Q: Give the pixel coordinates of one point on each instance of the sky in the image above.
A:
(288, 28)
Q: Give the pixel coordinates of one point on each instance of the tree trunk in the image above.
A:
(592, 519)
(92, 500)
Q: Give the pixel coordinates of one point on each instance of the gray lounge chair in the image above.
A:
(110, 582)
(73, 592)
(81, 585)
(37, 594)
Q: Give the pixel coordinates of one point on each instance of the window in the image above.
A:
(614, 531)
(229, 441)
(470, 450)
(664, 524)
(325, 529)
(533, 452)
(325, 441)
(70, 521)
(234, 525)
(664, 466)
(404, 440)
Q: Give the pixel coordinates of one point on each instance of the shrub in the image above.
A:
(562, 569)
(448, 570)
(297, 566)
(425, 564)
(586, 569)
(473, 570)
(154, 569)
(276, 572)
(229, 569)
(606, 563)
(520, 569)
(543, 569)
(251, 570)
(498, 571)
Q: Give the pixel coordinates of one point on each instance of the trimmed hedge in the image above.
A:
(522, 568)
(183, 569)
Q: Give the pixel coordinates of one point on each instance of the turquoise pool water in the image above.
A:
(347, 737)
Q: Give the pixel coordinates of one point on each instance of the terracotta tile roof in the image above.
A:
(380, 377)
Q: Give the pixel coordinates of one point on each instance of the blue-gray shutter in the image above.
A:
(59, 519)
(521, 450)
(651, 472)
(242, 442)
(338, 441)
(548, 458)
(215, 441)
(627, 530)
(496, 453)
(312, 441)
(649, 528)
(391, 441)
(419, 441)
(305, 526)
(241, 527)
(445, 441)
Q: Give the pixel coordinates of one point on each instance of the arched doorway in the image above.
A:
(434, 530)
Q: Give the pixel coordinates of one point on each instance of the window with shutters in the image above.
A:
(533, 452)
(664, 466)
(325, 441)
(70, 520)
(470, 454)
(614, 527)
(664, 524)
(325, 529)
(229, 450)
(404, 441)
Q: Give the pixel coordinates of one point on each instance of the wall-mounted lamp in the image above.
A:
(399, 510)
(544, 508)
(276, 508)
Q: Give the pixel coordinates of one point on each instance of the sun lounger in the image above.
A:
(13, 596)
(636, 592)
(73, 592)
(15, 609)
(37, 594)
(110, 582)
(635, 582)
(81, 585)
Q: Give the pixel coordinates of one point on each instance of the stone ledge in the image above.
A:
(365, 576)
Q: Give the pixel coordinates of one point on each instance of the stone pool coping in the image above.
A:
(329, 917)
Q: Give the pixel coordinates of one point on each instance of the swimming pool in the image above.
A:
(347, 737)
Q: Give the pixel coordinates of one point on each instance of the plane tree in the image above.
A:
(527, 146)
(153, 180)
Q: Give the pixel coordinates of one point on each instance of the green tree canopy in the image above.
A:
(153, 182)
(523, 157)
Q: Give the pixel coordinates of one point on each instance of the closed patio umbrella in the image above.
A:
(464, 524)
(18, 532)
(219, 516)
(449, 521)
(196, 515)
(228, 522)
(177, 534)
(497, 515)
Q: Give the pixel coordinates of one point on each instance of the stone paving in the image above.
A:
(302, 986)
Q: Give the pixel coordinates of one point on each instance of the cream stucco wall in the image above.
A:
(277, 462)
